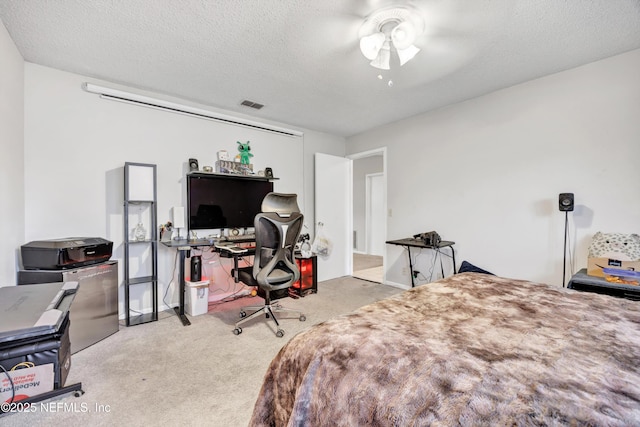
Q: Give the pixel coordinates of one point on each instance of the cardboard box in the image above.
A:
(197, 301)
(26, 382)
(595, 265)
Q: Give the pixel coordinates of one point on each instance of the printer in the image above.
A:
(66, 253)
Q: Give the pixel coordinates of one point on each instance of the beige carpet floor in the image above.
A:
(368, 267)
(167, 374)
(374, 274)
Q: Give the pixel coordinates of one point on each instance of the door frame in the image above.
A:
(368, 209)
(382, 151)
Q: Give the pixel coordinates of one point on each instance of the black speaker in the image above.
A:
(193, 165)
(565, 202)
(268, 172)
(196, 268)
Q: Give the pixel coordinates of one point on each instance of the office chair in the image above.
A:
(277, 229)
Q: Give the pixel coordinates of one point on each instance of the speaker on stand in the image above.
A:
(196, 268)
(565, 204)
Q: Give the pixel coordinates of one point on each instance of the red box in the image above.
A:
(308, 282)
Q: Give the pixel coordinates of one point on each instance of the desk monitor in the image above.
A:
(217, 201)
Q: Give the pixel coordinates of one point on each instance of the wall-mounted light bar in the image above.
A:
(159, 104)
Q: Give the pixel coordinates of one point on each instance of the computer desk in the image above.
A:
(419, 243)
(184, 247)
(248, 251)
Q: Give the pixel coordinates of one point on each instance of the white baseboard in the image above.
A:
(161, 308)
(397, 285)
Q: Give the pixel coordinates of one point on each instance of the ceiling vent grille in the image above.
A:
(251, 104)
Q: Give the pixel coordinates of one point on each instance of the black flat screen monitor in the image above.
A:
(216, 202)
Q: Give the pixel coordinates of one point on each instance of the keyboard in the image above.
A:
(241, 238)
(230, 247)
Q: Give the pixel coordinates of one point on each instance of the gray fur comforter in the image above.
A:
(468, 350)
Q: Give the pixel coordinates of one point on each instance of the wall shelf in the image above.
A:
(233, 176)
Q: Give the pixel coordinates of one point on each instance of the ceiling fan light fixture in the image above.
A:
(392, 28)
(403, 35)
(407, 54)
(370, 45)
(383, 59)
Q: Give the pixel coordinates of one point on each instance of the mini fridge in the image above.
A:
(94, 313)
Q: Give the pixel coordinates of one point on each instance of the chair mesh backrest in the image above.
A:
(281, 203)
(276, 237)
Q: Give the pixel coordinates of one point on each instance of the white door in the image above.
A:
(333, 186)
(375, 215)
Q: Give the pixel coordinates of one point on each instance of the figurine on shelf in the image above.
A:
(139, 233)
(165, 232)
(245, 153)
(305, 246)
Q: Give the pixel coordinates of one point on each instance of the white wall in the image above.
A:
(361, 168)
(12, 158)
(76, 145)
(486, 173)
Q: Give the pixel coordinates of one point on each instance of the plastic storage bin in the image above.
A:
(197, 301)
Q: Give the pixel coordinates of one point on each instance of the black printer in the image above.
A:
(70, 252)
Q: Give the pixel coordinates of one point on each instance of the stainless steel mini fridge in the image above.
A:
(94, 312)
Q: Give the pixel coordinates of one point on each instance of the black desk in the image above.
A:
(418, 243)
(248, 251)
(184, 247)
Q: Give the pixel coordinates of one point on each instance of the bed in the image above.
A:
(472, 349)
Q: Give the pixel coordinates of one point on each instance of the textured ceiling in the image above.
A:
(300, 58)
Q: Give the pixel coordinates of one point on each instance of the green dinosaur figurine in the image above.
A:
(245, 153)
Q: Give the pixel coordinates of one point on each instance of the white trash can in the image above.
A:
(197, 300)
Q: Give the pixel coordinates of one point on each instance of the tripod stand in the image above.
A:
(564, 257)
(565, 203)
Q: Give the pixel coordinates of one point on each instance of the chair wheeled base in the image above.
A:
(268, 310)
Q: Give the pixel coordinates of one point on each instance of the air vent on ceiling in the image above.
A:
(251, 104)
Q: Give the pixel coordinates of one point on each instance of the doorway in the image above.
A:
(369, 214)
